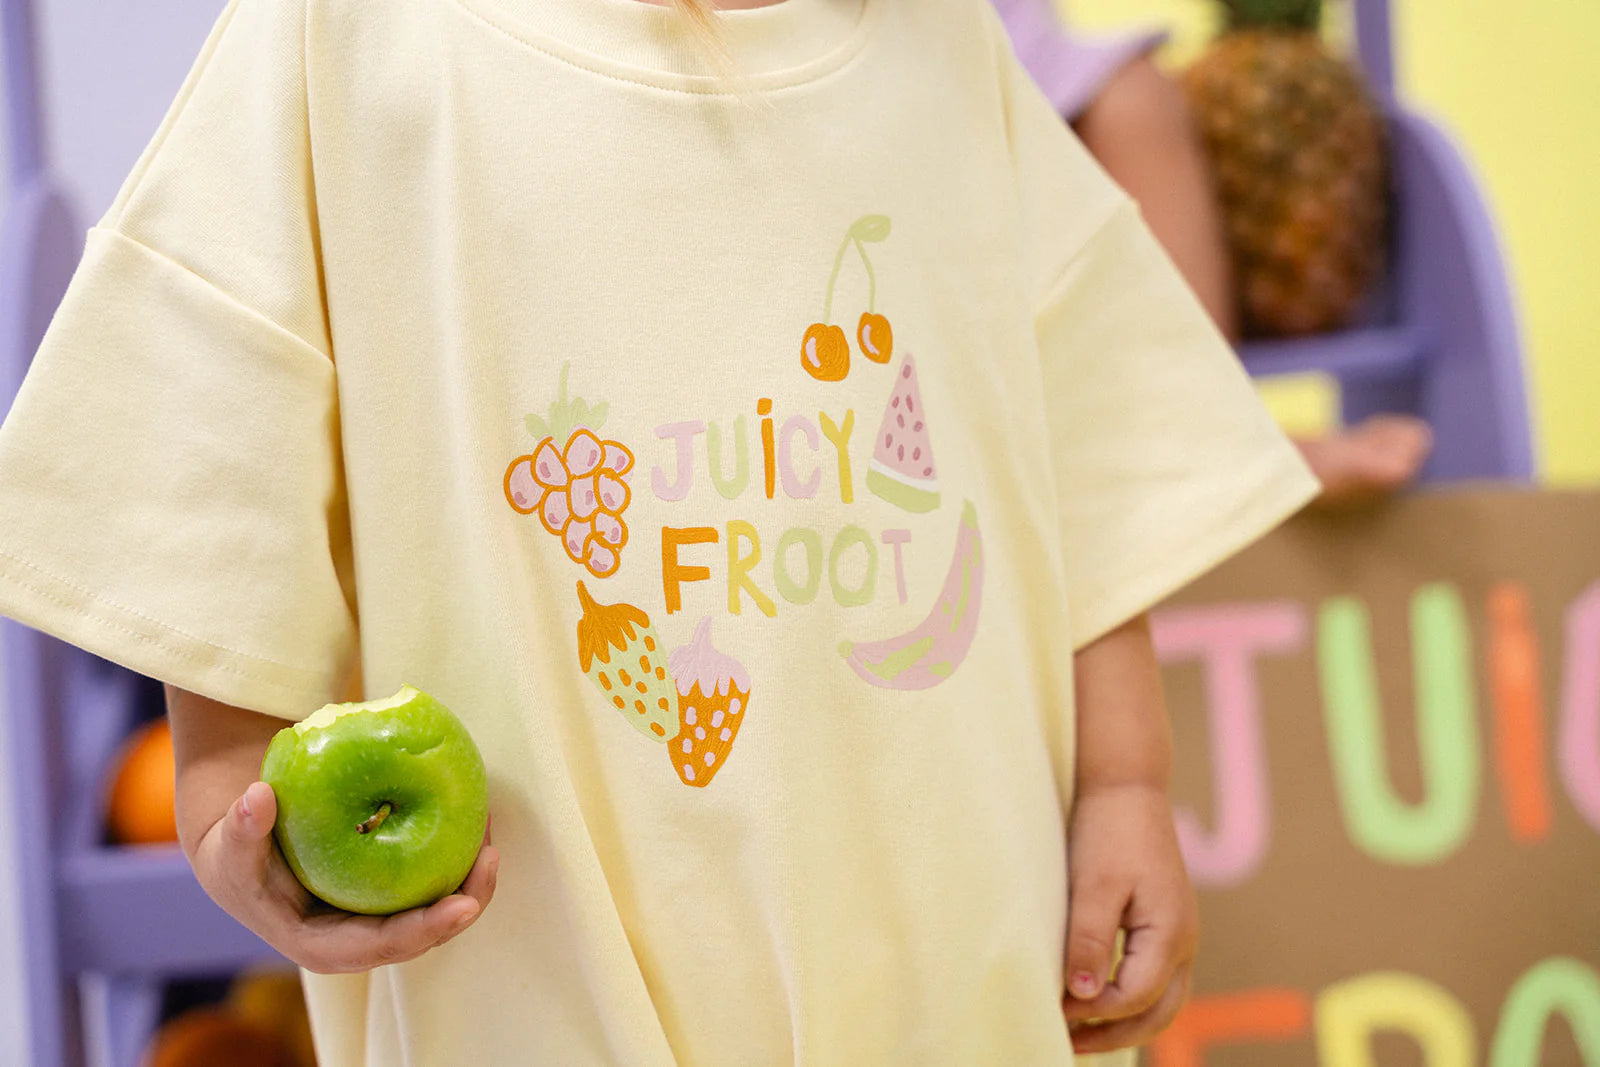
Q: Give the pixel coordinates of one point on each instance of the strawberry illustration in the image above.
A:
(574, 481)
(713, 692)
(620, 653)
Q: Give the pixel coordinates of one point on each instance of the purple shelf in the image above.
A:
(140, 911)
(1375, 352)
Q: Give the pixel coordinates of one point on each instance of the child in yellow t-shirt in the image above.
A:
(497, 346)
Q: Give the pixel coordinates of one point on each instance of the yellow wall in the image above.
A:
(1519, 86)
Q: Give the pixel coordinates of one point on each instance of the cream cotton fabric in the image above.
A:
(278, 440)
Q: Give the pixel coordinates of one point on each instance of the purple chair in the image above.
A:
(1441, 339)
(1441, 342)
(112, 924)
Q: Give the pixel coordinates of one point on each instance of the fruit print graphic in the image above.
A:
(575, 482)
(825, 350)
(619, 651)
(713, 693)
(927, 655)
(901, 470)
(875, 337)
(825, 353)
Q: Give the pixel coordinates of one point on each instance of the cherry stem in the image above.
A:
(376, 820)
(872, 279)
(833, 279)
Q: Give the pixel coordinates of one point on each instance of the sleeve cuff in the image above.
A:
(1114, 599)
(150, 647)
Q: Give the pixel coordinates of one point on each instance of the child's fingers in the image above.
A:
(238, 863)
(481, 879)
(1094, 918)
(334, 944)
(250, 819)
(1150, 958)
(239, 847)
(1136, 1029)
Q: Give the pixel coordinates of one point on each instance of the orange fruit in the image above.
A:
(273, 1001)
(875, 337)
(211, 1037)
(142, 810)
(825, 353)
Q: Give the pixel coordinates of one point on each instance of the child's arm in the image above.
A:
(1126, 870)
(225, 818)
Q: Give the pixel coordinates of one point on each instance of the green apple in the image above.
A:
(382, 805)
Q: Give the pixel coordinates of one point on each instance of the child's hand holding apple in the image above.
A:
(399, 858)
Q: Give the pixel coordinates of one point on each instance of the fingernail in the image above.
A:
(1084, 985)
(244, 804)
(465, 917)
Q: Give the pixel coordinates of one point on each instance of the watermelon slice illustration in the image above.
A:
(901, 470)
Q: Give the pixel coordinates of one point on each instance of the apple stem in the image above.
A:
(376, 820)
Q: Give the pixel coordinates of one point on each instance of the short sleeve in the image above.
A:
(1062, 194)
(170, 477)
(1166, 461)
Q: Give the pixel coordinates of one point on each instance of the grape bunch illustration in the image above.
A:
(576, 482)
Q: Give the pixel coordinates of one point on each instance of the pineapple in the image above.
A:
(619, 651)
(1298, 149)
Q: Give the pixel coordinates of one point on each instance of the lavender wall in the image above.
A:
(109, 70)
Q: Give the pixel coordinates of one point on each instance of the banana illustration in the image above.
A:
(929, 654)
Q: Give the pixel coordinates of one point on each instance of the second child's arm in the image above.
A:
(225, 818)
(1126, 874)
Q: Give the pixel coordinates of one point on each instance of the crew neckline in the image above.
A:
(781, 44)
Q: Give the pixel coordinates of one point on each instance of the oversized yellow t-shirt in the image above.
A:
(741, 459)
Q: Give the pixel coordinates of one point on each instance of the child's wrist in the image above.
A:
(1096, 785)
(1144, 767)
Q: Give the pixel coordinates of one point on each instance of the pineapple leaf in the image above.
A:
(1274, 14)
(580, 412)
(538, 427)
(597, 415)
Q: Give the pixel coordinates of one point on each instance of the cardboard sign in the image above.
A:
(1388, 788)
